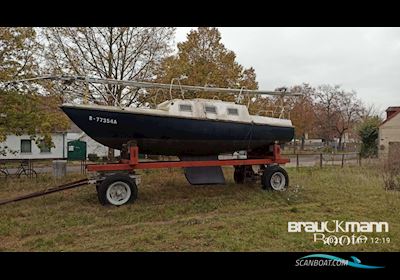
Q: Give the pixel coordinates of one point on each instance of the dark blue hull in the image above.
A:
(160, 135)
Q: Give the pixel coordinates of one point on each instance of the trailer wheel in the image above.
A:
(274, 178)
(117, 189)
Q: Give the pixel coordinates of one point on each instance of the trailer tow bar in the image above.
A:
(59, 188)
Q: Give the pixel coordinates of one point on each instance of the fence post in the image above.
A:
(359, 159)
(83, 166)
(320, 160)
(297, 161)
(342, 160)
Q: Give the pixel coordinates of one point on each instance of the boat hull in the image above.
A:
(167, 135)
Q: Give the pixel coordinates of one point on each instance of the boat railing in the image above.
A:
(180, 86)
(275, 112)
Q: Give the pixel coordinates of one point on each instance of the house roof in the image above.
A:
(393, 108)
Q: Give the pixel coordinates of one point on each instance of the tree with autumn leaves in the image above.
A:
(325, 112)
(203, 60)
(302, 111)
(143, 54)
(18, 47)
(22, 109)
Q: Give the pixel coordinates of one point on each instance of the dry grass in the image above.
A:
(171, 215)
(390, 169)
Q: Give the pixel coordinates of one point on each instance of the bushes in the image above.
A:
(391, 170)
(368, 132)
(93, 157)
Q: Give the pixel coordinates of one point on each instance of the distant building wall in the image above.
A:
(92, 146)
(60, 140)
(14, 143)
(389, 131)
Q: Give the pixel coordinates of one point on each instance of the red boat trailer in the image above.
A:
(116, 183)
(133, 162)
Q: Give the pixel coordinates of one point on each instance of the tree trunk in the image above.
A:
(302, 142)
(340, 142)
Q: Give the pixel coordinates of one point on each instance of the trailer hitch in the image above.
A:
(59, 188)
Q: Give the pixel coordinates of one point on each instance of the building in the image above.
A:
(24, 147)
(92, 147)
(389, 132)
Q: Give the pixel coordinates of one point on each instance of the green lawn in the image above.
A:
(171, 215)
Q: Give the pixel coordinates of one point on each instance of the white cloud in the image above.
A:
(366, 60)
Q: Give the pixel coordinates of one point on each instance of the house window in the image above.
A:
(211, 109)
(44, 148)
(185, 108)
(26, 146)
(233, 111)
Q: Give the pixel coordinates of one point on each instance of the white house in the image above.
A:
(92, 147)
(23, 147)
(389, 132)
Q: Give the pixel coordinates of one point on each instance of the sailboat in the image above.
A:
(181, 127)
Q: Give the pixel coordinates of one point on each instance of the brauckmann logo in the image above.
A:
(336, 226)
(329, 260)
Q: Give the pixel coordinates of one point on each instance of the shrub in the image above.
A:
(391, 170)
(368, 132)
(93, 157)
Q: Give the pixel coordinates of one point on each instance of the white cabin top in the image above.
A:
(217, 110)
(198, 108)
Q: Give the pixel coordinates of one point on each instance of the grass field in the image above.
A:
(171, 215)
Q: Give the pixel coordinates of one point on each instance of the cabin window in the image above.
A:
(44, 148)
(211, 109)
(233, 111)
(185, 108)
(26, 146)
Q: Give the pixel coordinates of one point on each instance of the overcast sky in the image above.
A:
(366, 60)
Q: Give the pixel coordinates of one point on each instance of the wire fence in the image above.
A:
(324, 159)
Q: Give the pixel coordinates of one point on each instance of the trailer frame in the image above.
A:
(133, 162)
(122, 174)
(273, 177)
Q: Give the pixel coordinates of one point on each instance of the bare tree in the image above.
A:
(370, 110)
(337, 111)
(348, 112)
(126, 53)
(326, 100)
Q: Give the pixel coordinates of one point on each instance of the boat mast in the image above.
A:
(181, 87)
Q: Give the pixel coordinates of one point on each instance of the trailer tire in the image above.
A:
(274, 178)
(117, 190)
